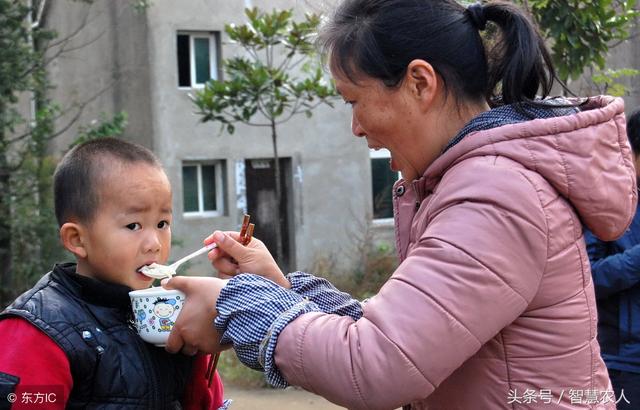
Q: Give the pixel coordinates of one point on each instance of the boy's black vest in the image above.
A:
(112, 368)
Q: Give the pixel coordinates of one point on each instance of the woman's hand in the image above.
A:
(194, 330)
(231, 258)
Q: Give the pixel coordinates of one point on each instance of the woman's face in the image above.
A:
(387, 118)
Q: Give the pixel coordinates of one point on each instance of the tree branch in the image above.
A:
(310, 108)
(284, 66)
(294, 65)
(62, 43)
(617, 43)
(80, 109)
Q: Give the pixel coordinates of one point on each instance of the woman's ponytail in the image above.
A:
(519, 62)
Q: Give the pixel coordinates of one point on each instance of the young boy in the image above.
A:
(69, 341)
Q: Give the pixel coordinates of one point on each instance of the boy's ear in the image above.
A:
(72, 236)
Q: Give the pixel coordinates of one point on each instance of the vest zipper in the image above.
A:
(100, 351)
(152, 371)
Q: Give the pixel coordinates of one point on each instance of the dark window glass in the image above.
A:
(209, 187)
(382, 180)
(190, 188)
(184, 64)
(202, 60)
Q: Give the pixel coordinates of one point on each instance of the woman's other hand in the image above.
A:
(231, 258)
(194, 330)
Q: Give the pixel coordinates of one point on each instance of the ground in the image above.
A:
(275, 399)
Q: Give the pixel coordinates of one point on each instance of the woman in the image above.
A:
(492, 305)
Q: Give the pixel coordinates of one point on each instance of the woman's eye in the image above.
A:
(134, 226)
(163, 224)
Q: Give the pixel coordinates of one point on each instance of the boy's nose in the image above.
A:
(153, 243)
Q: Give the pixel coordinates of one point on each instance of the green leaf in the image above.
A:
(581, 32)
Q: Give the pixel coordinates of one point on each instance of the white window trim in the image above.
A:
(379, 153)
(219, 190)
(213, 56)
(375, 154)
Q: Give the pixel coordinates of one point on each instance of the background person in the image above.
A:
(615, 267)
(492, 305)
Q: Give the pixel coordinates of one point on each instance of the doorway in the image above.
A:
(261, 205)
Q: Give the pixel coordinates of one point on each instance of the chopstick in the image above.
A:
(246, 233)
(244, 227)
(211, 368)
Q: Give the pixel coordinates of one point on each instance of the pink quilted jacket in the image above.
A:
(492, 306)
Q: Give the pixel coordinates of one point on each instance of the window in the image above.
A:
(203, 188)
(197, 59)
(382, 180)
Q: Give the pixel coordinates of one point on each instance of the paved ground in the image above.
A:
(275, 399)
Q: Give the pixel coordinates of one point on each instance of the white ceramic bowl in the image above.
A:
(155, 310)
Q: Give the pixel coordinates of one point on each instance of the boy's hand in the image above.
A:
(194, 331)
(231, 258)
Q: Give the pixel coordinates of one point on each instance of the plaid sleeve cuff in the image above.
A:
(268, 345)
(225, 405)
(328, 298)
(252, 311)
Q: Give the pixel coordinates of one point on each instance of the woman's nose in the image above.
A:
(356, 129)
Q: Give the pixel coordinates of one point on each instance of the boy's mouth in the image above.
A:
(147, 263)
(142, 275)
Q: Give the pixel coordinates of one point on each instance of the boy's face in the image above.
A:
(131, 227)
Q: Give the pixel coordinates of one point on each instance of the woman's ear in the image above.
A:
(72, 236)
(422, 79)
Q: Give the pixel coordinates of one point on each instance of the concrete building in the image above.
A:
(117, 59)
(145, 64)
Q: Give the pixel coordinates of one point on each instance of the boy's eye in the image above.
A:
(163, 224)
(134, 226)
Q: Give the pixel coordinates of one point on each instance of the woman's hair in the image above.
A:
(79, 175)
(633, 131)
(379, 38)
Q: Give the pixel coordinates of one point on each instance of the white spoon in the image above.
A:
(157, 271)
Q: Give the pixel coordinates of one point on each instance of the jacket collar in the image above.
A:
(91, 290)
(585, 157)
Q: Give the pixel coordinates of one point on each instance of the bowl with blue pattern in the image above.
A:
(155, 311)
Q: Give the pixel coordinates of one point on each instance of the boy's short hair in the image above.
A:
(77, 179)
(633, 131)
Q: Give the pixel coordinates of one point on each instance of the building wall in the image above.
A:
(103, 66)
(627, 55)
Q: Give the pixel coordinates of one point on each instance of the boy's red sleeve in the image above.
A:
(40, 364)
(44, 373)
(198, 395)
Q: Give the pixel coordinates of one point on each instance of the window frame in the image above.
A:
(378, 154)
(219, 184)
(212, 36)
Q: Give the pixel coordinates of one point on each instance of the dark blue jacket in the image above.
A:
(615, 267)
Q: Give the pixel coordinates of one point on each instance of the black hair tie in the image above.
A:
(476, 13)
